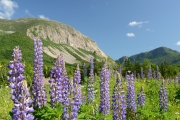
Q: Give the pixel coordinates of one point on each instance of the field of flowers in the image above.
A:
(109, 96)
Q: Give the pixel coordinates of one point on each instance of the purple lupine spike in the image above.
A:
(149, 73)
(77, 85)
(20, 94)
(163, 94)
(38, 89)
(104, 107)
(74, 98)
(84, 70)
(119, 101)
(58, 83)
(91, 95)
(23, 107)
(131, 104)
(141, 98)
(55, 82)
(142, 73)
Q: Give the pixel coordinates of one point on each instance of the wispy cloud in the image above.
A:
(178, 43)
(27, 12)
(43, 17)
(139, 24)
(7, 8)
(149, 30)
(130, 34)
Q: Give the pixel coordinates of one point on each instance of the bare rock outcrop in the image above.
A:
(61, 33)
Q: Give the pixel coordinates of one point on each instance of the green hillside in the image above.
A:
(156, 56)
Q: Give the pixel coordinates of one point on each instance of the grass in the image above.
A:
(6, 104)
(150, 111)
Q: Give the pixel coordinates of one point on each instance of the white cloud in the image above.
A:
(178, 43)
(27, 12)
(7, 8)
(43, 17)
(130, 34)
(139, 24)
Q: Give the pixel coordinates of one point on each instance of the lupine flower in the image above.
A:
(104, 107)
(131, 104)
(119, 101)
(75, 98)
(90, 88)
(77, 86)
(20, 94)
(84, 70)
(142, 74)
(141, 98)
(56, 82)
(38, 89)
(59, 85)
(163, 98)
(149, 73)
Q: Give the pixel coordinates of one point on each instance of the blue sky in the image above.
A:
(119, 27)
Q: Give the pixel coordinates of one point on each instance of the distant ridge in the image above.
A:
(156, 56)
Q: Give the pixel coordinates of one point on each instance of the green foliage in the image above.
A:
(48, 113)
(6, 103)
(3, 75)
(177, 95)
(8, 42)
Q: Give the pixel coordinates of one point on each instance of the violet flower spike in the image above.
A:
(149, 73)
(74, 97)
(91, 94)
(119, 101)
(38, 89)
(59, 85)
(20, 94)
(131, 104)
(104, 106)
(141, 98)
(77, 85)
(163, 94)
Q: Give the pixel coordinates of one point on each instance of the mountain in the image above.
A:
(56, 37)
(156, 56)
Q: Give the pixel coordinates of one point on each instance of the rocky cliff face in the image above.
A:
(61, 33)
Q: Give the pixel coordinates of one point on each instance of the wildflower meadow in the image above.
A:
(86, 95)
